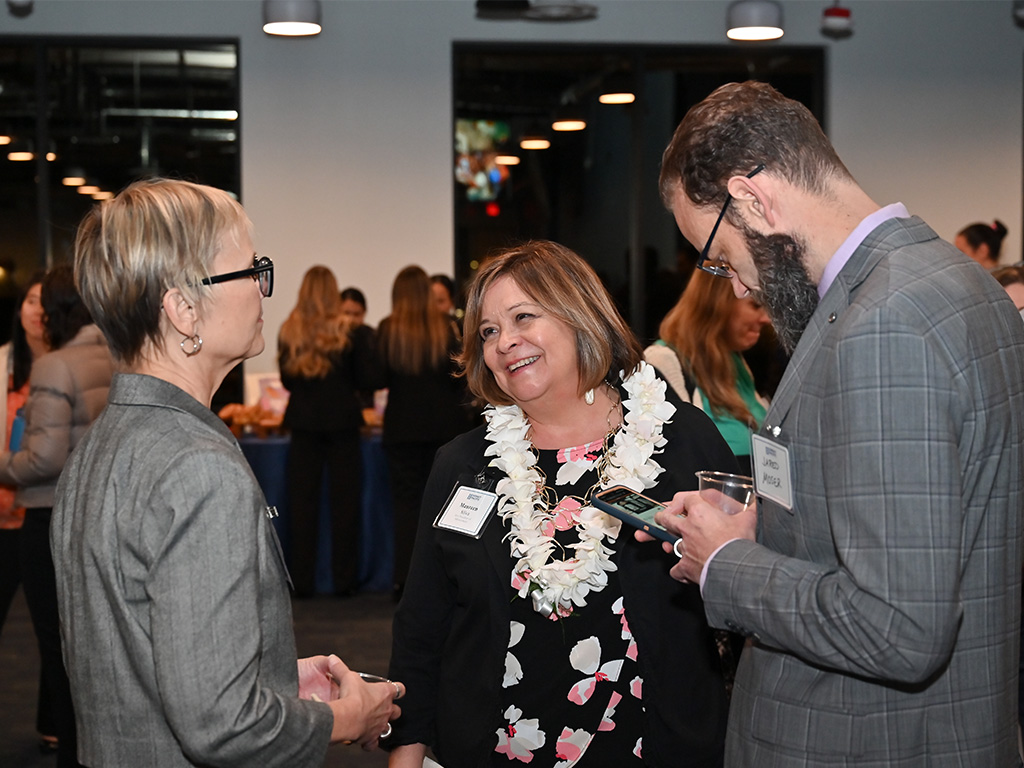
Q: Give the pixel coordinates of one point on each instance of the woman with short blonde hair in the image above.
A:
(173, 592)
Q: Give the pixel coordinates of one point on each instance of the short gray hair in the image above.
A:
(155, 235)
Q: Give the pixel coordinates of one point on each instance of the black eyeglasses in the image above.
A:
(262, 271)
(720, 268)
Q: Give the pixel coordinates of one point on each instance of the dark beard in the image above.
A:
(787, 293)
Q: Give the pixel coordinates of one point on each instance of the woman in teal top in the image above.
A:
(699, 354)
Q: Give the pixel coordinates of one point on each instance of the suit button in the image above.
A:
(832, 317)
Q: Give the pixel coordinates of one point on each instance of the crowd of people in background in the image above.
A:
(530, 626)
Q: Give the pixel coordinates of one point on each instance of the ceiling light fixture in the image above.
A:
(88, 189)
(20, 156)
(291, 18)
(617, 89)
(534, 142)
(73, 177)
(754, 20)
(5, 139)
(506, 159)
(568, 117)
(19, 8)
(560, 10)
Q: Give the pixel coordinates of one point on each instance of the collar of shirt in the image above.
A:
(860, 232)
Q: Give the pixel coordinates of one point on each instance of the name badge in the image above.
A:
(467, 512)
(772, 477)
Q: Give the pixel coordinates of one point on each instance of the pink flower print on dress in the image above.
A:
(570, 746)
(619, 609)
(608, 719)
(521, 738)
(586, 658)
(513, 669)
(636, 687)
(577, 461)
(567, 514)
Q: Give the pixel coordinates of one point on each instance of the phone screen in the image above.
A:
(634, 503)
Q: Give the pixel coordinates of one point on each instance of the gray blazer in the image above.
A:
(174, 608)
(884, 607)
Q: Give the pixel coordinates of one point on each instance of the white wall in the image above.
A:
(924, 107)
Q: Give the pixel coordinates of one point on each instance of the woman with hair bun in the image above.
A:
(982, 242)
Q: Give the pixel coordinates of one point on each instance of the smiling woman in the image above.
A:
(518, 548)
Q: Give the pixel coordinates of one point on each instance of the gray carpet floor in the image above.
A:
(358, 629)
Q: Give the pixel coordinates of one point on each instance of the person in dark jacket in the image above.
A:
(329, 365)
(426, 402)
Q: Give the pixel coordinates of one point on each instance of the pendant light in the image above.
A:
(291, 18)
(754, 20)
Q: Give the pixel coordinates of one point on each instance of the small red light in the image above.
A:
(493, 209)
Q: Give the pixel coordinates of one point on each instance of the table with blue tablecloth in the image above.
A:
(268, 457)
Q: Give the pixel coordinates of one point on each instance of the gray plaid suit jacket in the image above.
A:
(884, 606)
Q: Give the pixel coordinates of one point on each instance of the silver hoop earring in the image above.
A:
(197, 344)
(588, 397)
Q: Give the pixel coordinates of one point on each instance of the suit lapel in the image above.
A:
(890, 234)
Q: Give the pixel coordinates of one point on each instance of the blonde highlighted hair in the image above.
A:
(155, 235)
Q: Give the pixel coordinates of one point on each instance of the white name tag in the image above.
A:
(772, 478)
(467, 511)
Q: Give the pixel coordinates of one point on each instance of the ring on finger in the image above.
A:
(675, 548)
(398, 690)
(386, 733)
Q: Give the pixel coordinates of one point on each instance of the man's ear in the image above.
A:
(179, 312)
(755, 197)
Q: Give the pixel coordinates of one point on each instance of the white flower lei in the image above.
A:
(557, 585)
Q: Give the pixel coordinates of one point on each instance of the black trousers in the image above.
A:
(310, 453)
(10, 580)
(40, 583)
(409, 467)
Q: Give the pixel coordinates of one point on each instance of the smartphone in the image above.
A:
(633, 508)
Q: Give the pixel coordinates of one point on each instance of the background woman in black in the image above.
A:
(325, 362)
(425, 401)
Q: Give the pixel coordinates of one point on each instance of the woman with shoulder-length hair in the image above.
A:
(533, 627)
(426, 401)
(699, 353)
(325, 361)
(173, 591)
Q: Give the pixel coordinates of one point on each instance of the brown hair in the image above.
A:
(735, 129)
(414, 338)
(566, 286)
(1009, 275)
(696, 328)
(316, 328)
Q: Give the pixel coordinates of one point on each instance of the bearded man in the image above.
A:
(878, 578)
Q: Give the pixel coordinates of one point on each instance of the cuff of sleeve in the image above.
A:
(707, 563)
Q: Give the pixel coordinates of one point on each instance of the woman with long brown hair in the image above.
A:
(699, 353)
(426, 402)
(325, 362)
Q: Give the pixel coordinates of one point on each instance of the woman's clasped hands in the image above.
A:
(363, 710)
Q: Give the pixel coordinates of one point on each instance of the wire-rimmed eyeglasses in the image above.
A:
(720, 268)
(262, 271)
